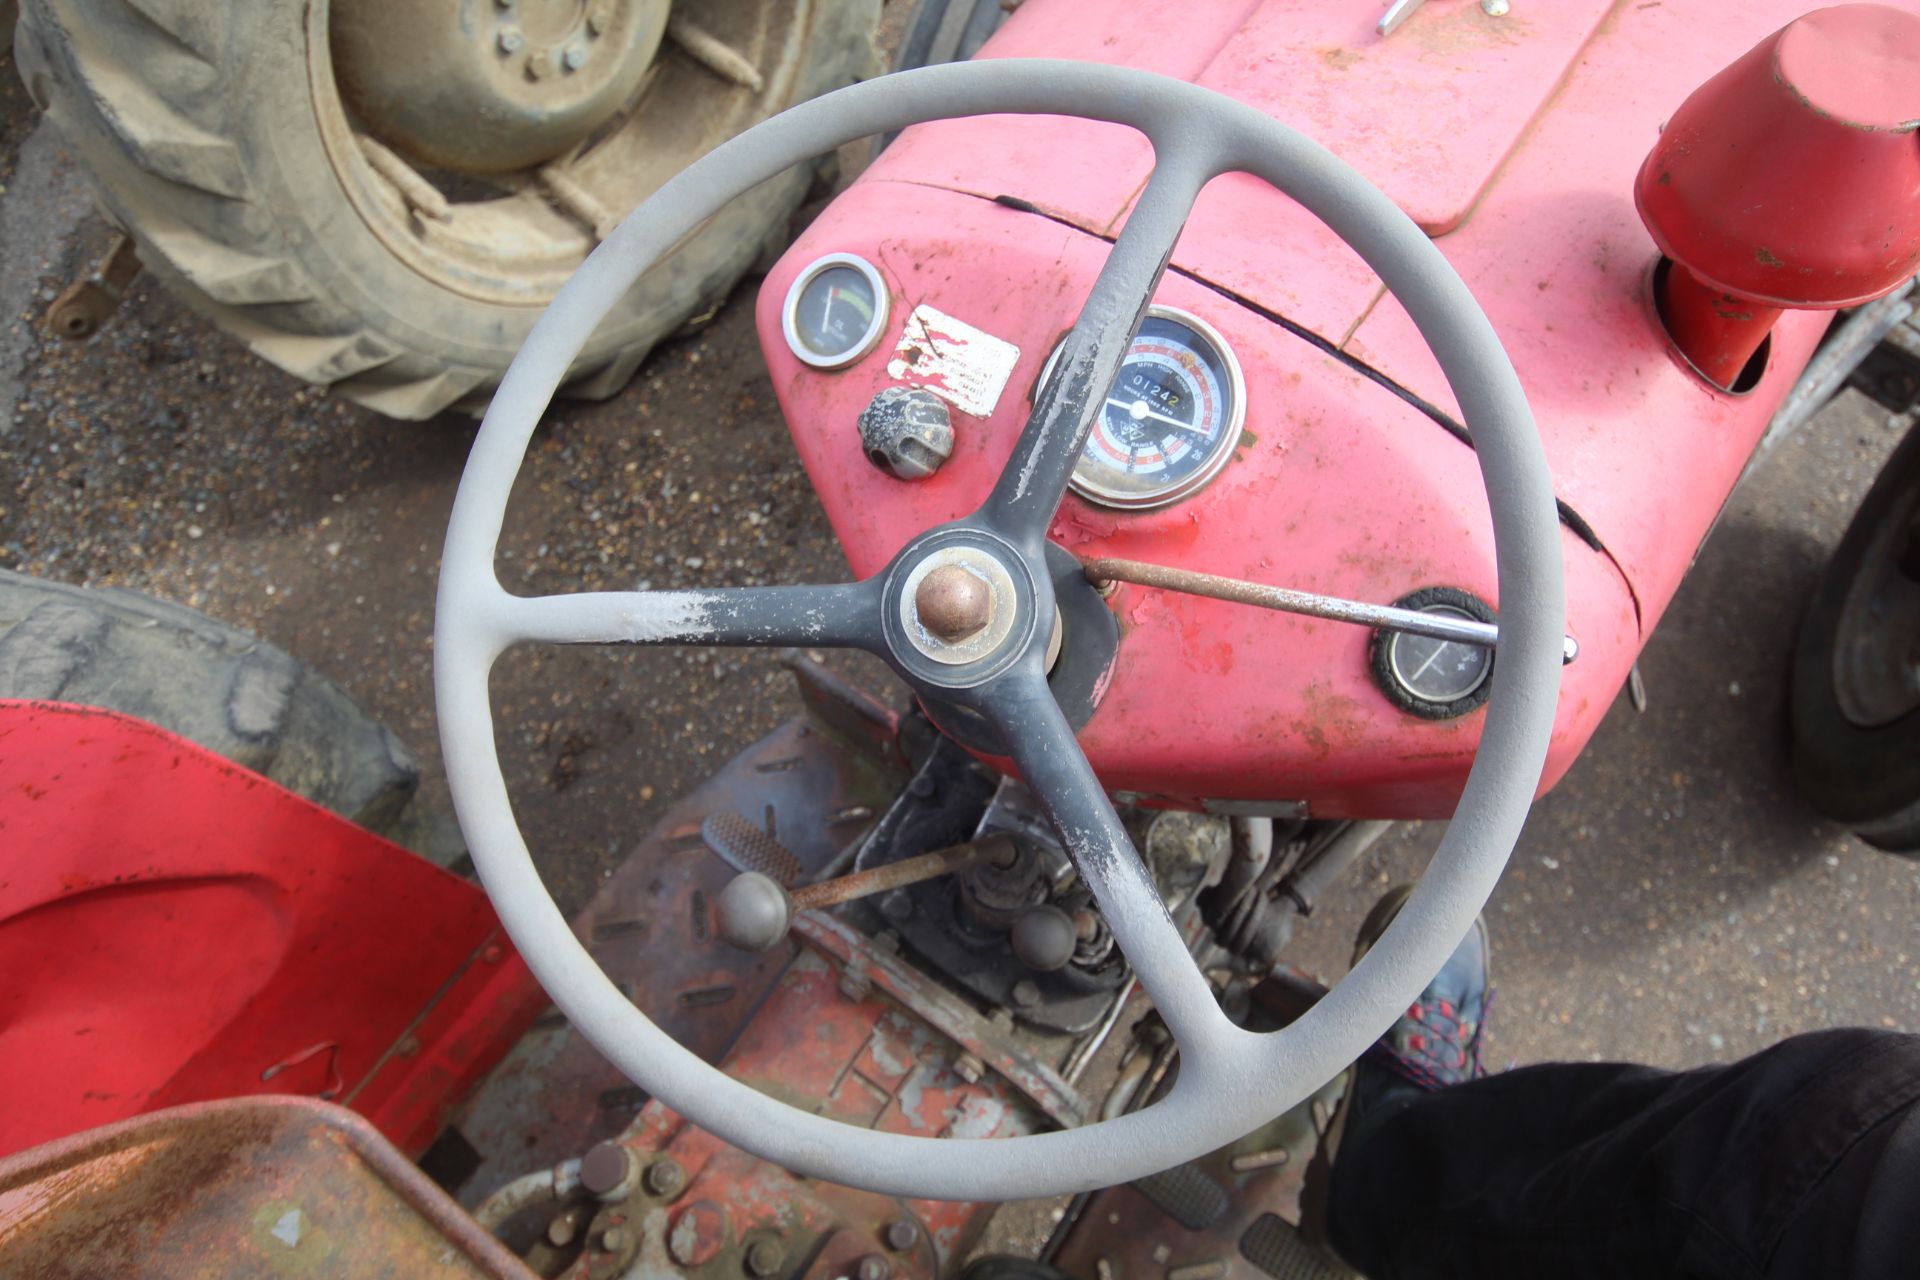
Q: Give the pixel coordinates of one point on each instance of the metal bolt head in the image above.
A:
(1026, 994)
(873, 1267)
(954, 602)
(540, 64)
(901, 1234)
(599, 18)
(665, 1178)
(612, 1239)
(907, 432)
(765, 1256)
(969, 1068)
(1494, 8)
(561, 1230)
(575, 57)
(509, 39)
(607, 1171)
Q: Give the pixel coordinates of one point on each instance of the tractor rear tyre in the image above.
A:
(231, 693)
(1856, 668)
(381, 198)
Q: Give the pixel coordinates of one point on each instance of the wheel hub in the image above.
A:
(494, 86)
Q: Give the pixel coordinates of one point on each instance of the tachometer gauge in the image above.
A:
(835, 311)
(1171, 419)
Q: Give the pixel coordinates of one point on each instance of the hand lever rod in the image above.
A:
(1439, 626)
(754, 912)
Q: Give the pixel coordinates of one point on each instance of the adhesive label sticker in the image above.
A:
(954, 360)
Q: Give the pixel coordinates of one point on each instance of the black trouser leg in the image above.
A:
(1803, 1160)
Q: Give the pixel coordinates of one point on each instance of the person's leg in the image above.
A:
(1803, 1160)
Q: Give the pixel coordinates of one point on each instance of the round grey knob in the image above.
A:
(953, 602)
(1044, 938)
(907, 432)
(753, 913)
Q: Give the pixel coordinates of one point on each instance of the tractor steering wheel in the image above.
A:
(1230, 1079)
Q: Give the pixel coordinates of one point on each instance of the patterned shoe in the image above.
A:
(1435, 1043)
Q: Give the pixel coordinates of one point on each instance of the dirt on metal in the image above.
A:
(242, 1189)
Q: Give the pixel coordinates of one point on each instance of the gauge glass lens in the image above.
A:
(835, 311)
(1438, 671)
(1171, 419)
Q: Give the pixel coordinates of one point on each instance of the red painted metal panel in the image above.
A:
(176, 928)
(1558, 257)
(1342, 488)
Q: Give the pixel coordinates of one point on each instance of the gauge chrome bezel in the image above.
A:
(882, 311)
(1230, 434)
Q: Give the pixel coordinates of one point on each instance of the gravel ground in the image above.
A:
(1673, 901)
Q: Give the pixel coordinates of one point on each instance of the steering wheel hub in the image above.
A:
(959, 605)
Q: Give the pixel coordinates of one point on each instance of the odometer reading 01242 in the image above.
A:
(1171, 419)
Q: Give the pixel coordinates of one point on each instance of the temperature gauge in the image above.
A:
(1431, 678)
(1171, 419)
(835, 311)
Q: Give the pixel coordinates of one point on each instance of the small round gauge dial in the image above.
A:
(835, 311)
(1170, 421)
(1435, 679)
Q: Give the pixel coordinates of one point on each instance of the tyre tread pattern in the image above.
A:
(140, 88)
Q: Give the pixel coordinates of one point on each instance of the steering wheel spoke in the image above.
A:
(1035, 478)
(841, 616)
(1054, 767)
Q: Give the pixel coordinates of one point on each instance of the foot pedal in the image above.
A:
(1277, 1249)
(749, 848)
(1186, 1195)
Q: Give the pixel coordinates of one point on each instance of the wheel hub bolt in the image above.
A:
(509, 39)
(874, 1267)
(902, 1234)
(575, 57)
(953, 603)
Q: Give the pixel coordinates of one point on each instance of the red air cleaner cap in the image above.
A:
(1792, 178)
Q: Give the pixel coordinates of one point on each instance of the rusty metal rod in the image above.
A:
(1385, 616)
(996, 850)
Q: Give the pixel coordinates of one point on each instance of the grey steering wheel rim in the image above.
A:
(1236, 1079)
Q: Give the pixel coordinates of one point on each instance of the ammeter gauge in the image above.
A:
(835, 311)
(1431, 678)
(1171, 419)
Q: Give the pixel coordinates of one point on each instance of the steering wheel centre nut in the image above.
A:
(958, 605)
(954, 602)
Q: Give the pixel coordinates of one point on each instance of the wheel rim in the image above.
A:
(637, 109)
